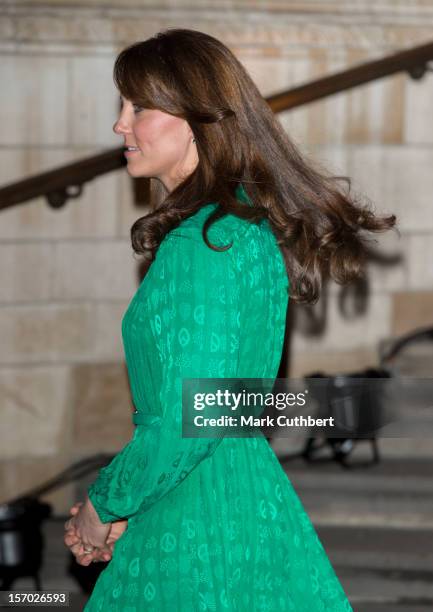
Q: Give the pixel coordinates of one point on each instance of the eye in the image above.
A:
(137, 108)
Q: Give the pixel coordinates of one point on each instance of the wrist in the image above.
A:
(90, 508)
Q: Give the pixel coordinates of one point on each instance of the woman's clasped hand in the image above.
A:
(87, 537)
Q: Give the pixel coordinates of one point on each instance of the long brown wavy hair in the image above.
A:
(322, 230)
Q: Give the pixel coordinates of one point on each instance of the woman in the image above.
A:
(212, 524)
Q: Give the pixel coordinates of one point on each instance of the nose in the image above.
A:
(121, 126)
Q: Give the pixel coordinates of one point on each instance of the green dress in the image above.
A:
(213, 524)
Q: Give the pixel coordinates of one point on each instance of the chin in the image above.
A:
(135, 172)
(138, 170)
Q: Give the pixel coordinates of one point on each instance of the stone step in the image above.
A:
(407, 550)
(394, 493)
(382, 569)
(365, 588)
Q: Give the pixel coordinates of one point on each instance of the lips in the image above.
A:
(128, 153)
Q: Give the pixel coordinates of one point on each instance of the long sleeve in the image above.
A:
(194, 315)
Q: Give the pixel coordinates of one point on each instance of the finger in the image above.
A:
(105, 549)
(85, 559)
(99, 551)
(101, 556)
(70, 539)
(104, 553)
(76, 508)
(70, 524)
(76, 549)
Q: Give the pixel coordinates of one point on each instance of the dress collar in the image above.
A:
(241, 195)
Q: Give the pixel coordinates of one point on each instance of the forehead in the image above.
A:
(124, 98)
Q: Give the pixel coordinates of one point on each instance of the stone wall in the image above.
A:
(67, 275)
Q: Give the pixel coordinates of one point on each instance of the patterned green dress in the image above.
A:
(213, 524)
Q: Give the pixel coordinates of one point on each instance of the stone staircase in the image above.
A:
(375, 523)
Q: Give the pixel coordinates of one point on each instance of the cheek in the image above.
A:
(146, 132)
(164, 135)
